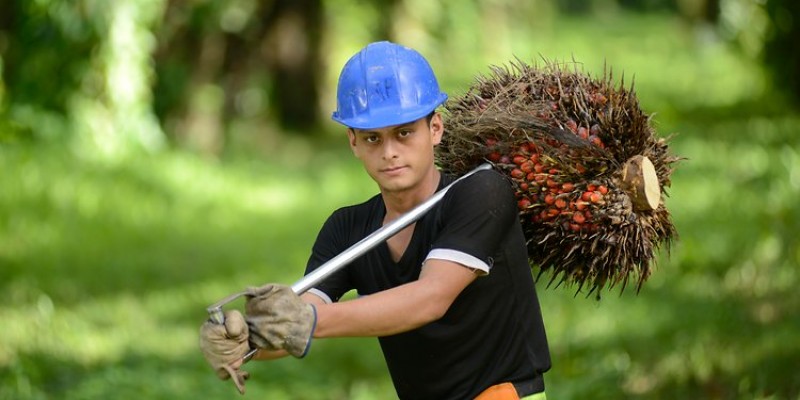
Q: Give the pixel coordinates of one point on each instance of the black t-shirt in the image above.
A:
(492, 333)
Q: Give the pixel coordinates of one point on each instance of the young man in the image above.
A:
(450, 298)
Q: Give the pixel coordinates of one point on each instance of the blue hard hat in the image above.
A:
(386, 84)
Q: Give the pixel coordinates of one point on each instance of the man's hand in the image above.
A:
(224, 346)
(279, 319)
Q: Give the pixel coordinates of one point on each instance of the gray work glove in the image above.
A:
(280, 319)
(224, 344)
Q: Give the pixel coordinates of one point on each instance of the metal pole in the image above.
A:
(364, 245)
(368, 243)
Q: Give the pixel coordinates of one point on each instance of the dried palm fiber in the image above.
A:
(588, 170)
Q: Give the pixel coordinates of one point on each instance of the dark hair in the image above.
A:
(429, 117)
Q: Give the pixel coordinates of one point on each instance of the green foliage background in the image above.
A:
(109, 256)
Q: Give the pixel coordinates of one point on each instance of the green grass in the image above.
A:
(107, 269)
(106, 266)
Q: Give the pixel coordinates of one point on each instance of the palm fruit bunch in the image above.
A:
(587, 167)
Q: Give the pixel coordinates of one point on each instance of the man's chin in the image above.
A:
(394, 187)
(397, 184)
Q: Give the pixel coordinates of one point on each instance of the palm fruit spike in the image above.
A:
(588, 170)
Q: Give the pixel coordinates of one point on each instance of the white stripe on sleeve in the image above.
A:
(321, 295)
(462, 258)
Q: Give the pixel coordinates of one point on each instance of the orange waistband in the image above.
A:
(513, 391)
(501, 391)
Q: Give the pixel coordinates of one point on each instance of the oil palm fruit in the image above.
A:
(589, 171)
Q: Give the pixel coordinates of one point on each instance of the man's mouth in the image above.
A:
(393, 170)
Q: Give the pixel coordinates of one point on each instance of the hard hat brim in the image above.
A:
(389, 117)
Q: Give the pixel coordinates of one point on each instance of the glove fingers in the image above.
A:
(241, 377)
(213, 341)
(223, 373)
(212, 331)
(279, 319)
(269, 300)
(259, 291)
(238, 377)
(235, 325)
(258, 341)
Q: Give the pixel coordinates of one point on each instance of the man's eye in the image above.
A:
(403, 134)
(371, 139)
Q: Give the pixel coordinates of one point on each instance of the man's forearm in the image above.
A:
(396, 310)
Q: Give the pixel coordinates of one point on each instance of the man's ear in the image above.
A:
(351, 138)
(437, 128)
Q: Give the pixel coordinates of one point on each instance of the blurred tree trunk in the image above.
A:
(7, 18)
(189, 64)
(124, 104)
(700, 11)
(81, 69)
(782, 47)
(384, 29)
(291, 46)
(206, 64)
(35, 47)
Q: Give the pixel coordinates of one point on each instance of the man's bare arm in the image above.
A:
(399, 309)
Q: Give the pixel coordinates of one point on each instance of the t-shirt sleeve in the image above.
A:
(476, 217)
(331, 240)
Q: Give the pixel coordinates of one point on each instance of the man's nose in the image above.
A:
(390, 148)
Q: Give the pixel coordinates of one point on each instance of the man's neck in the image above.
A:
(398, 203)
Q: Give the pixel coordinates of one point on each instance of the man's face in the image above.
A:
(398, 157)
